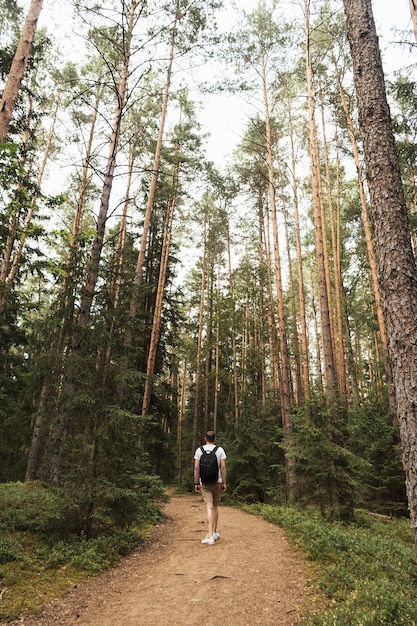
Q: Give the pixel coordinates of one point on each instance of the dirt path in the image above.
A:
(250, 576)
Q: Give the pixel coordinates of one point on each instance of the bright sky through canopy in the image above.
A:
(223, 116)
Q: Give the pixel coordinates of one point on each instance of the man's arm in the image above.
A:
(223, 473)
(197, 474)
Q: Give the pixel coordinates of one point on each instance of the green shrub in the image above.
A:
(27, 507)
(10, 550)
(90, 555)
(94, 505)
(366, 569)
(43, 542)
(75, 508)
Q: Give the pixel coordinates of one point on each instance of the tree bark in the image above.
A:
(286, 393)
(157, 317)
(369, 246)
(338, 336)
(413, 9)
(233, 317)
(208, 335)
(300, 271)
(17, 70)
(298, 387)
(276, 377)
(261, 305)
(397, 272)
(137, 281)
(197, 384)
(217, 355)
(319, 234)
(286, 386)
(57, 433)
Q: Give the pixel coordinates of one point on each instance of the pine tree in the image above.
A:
(397, 272)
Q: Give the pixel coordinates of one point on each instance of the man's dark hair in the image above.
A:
(210, 436)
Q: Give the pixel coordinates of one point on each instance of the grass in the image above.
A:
(367, 570)
(38, 563)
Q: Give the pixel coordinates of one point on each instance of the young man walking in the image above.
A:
(212, 491)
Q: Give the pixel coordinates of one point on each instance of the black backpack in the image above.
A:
(209, 467)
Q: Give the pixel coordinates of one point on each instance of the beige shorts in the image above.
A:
(211, 493)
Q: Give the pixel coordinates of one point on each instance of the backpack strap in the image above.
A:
(207, 452)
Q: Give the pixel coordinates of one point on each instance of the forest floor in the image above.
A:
(250, 576)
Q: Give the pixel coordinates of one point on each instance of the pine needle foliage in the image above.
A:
(327, 472)
(255, 462)
(374, 438)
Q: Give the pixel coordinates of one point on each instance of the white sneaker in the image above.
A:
(209, 541)
(216, 535)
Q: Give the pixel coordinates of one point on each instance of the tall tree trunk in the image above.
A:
(300, 271)
(319, 233)
(261, 307)
(67, 296)
(17, 70)
(354, 396)
(335, 401)
(37, 439)
(217, 355)
(157, 317)
(413, 9)
(276, 377)
(369, 247)
(57, 433)
(63, 329)
(116, 281)
(316, 324)
(137, 281)
(337, 276)
(97, 247)
(116, 287)
(296, 340)
(181, 408)
(233, 316)
(286, 394)
(245, 343)
(18, 254)
(397, 272)
(208, 338)
(197, 384)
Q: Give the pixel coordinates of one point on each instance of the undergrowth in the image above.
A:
(40, 558)
(367, 569)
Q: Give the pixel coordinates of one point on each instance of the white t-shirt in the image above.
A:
(220, 453)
